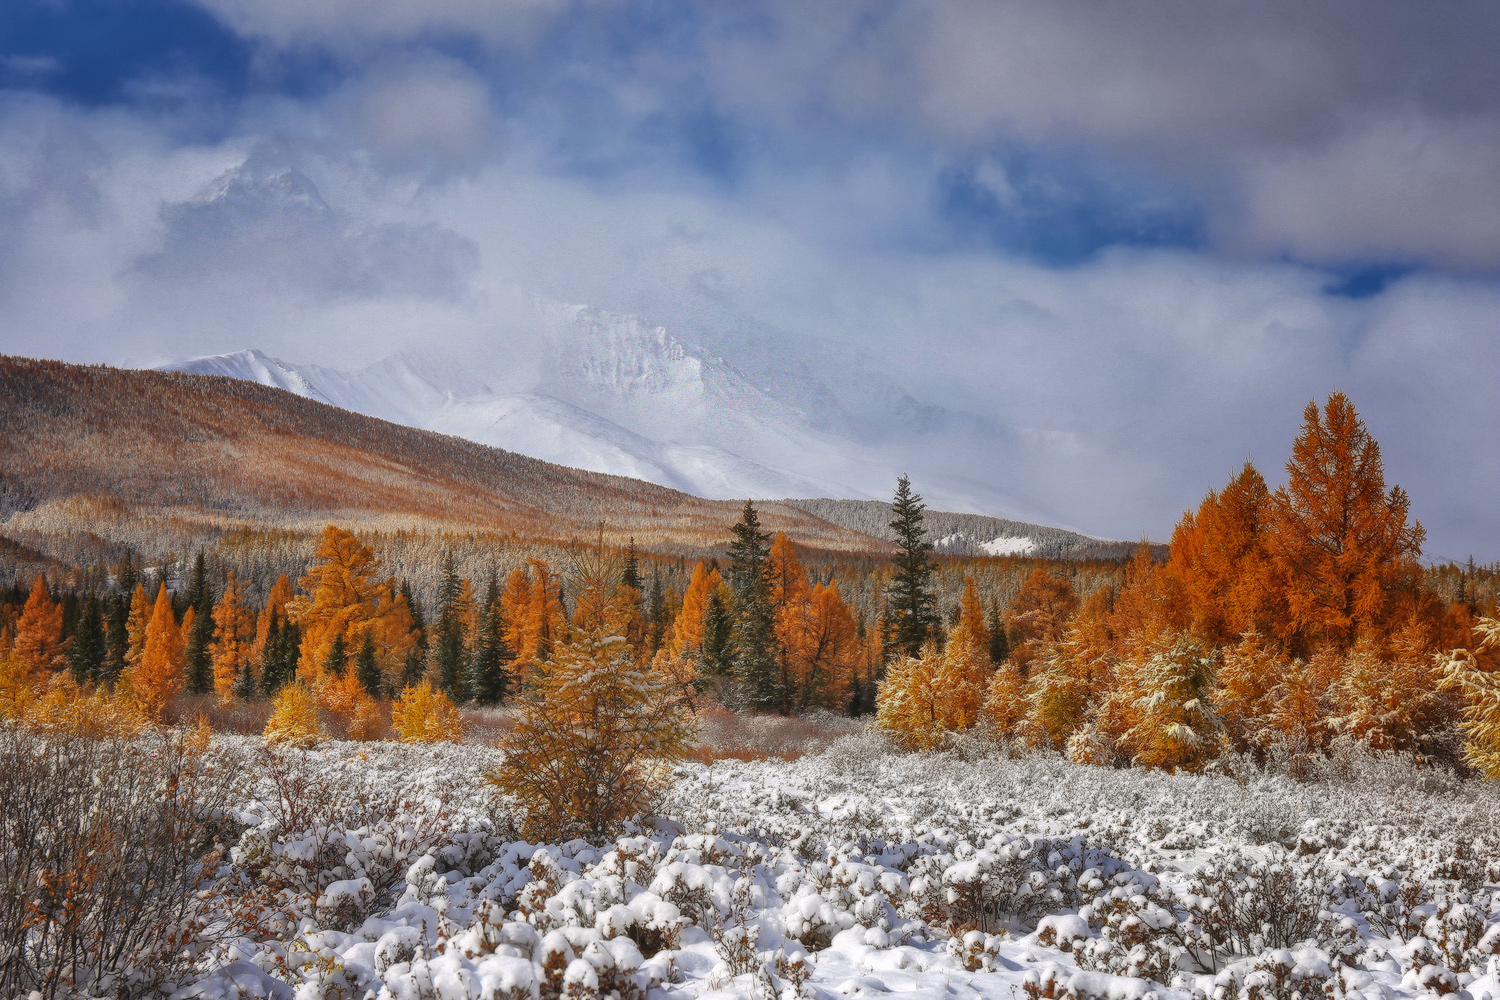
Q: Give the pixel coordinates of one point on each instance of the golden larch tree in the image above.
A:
(1340, 541)
(39, 648)
(136, 624)
(1038, 615)
(687, 631)
(964, 671)
(589, 752)
(155, 681)
(233, 648)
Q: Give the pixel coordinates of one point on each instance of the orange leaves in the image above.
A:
(1340, 542)
(155, 681)
(818, 639)
(39, 646)
(342, 598)
(294, 718)
(687, 634)
(234, 638)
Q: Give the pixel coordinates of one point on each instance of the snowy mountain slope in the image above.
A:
(617, 394)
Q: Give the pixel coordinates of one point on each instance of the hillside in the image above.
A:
(971, 534)
(92, 457)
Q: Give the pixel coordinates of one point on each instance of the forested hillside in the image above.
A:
(96, 458)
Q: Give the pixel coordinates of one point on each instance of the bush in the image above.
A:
(425, 715)
(104, 846)
(294, 718)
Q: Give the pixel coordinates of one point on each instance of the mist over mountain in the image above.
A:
(617, 394)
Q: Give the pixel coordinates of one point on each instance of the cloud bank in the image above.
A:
(1121, 246)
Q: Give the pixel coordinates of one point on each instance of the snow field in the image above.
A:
(392, 872)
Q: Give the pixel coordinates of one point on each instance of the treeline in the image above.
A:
(1280, 621)
(1277, 620)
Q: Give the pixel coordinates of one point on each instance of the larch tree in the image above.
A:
(40, 648)
(1462, 672)
(687, 631)
(233, 648)
(1339, 539)
(1038, 615)
(907, 701)
(964, 671)
(157, 679)
(341, 599)
(1177, 728)
(826, 651)
(909, 605)
(136, 623)
(789, 595)
(1063, 686)
(587, 754)
(1219, 556)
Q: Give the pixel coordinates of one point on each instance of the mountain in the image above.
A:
(613, 395)
(104, 457)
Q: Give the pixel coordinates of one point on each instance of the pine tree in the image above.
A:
(198, 654)
(630, 576)
(718, 637)
(909, 607)
(756, 647)
(87, 657)
(489, 680)
(658, 612)
(337, 660)
(367, 668)
(116, 619)
(279, 659)
(999, 643)
(449, 633)
(415, 666)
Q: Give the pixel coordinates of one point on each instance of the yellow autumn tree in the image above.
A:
(294, 718)
(964, 673)
(37, 651)
(687, 631)
(1064, 687)
(907, 701)
(1462, 672)
(341, 597)
(233, 648)
(135, 625)
(1171, 686)
(590, 751)
(155, 681)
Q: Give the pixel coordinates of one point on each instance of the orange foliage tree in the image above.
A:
(234, 638)
(687, 631)
(1038, 614)
(155, 681)
(1339, 540)
(341, 597)
(964, 671)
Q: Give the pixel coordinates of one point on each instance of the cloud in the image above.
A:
(265, 219)
(347, 26)
(430, 116)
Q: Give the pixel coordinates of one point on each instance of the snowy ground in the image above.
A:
(381, 870)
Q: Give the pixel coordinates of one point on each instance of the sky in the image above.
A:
(1137, 239)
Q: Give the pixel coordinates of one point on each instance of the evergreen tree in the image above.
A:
(197, 582)
(245, 687)
(999, 643)
(117, 638)
(910, 618)
(630, 576)
(755, 616)
(87, 656)
(490, 680)
(338, 656)
(450, 633)
(279, 662)
(416, 660)
(198, 655)
(366, 668)
(718, 638)
(658, 612)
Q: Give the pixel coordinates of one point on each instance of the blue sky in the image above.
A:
(1151, 231)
